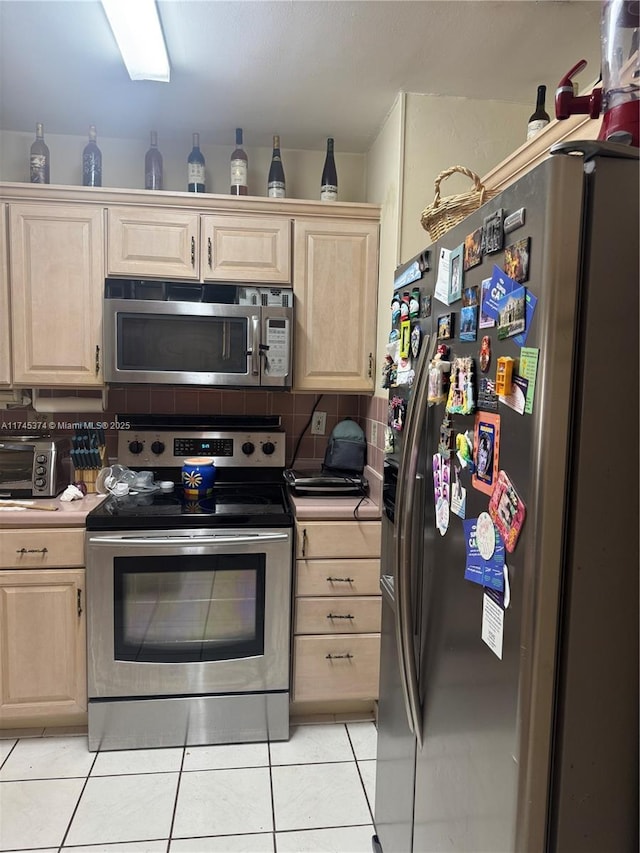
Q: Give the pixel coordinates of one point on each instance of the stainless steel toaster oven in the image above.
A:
(34, 466)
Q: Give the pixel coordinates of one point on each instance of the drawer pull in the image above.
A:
(193, 251)
(339, 580)
(32, 550)
(329, 656)
(304, 542)
(210, 253)
(338, 616)
(79, 602)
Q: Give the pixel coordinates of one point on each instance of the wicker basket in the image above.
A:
(444, 213)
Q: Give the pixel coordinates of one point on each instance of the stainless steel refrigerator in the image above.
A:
(513, 725)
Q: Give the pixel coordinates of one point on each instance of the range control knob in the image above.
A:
(157, 447)
(248, 447)
(135, 446)
(268, 448)
(40, 470)
(40, 483)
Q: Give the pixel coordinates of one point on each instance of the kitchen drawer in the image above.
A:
(346, 615)
(345, 667)
(338, 577)
(330, 539)
(30, 548)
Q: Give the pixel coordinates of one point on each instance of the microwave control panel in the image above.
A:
(278, 346)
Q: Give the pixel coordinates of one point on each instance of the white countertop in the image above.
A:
(341, 508)
(65, 514)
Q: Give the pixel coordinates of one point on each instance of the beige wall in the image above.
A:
(123, 165)
(422, 136)
(442, 132)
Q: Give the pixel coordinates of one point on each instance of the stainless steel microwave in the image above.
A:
(182, 334)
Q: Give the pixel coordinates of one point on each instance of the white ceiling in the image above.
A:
(306, 69)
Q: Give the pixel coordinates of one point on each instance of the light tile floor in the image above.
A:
(311, 794)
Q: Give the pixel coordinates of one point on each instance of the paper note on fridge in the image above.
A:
(441, 291)
(492, 623)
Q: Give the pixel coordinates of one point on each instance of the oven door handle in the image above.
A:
(159, 540)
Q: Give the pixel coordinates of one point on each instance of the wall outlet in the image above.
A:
(374, 433)
(318, 423)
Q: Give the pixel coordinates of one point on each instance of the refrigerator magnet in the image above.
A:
(493, 232)
(441, 468)
(405, 336)
(445, 327)
(516, 259)
(416, 340)
(492, 631)
(507, 510)
(473, 249)
(512, 313)
(458, 494)
(485, 536)
(461, 398)
(485, 353)
(485, 321)
(469, 314)
(486, 451)
(514, 220)
(455, 274)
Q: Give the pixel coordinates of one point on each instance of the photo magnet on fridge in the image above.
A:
(485, 322)
(473, 249)
(516, 260)
(493, 232)
(486, 451)
(512, 313)
(455, 274)
(507, 510)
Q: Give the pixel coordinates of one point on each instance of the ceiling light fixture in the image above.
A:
(137, 31)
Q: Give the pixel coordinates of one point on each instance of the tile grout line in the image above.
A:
(273, 802)
(175, 802)
(74, 812)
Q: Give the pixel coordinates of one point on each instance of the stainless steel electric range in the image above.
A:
(188, 601)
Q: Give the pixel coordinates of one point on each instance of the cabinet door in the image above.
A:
(153, 243)
(246, 249)
(42, 647)
(5, 352)
(57, 280)
(335, 284)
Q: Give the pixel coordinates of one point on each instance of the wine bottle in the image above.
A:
(195, 167)
(91, 161)
(329, 181)
(153, 165)
(239, 167)
(39, 158)
(539, 118)
(275, 183)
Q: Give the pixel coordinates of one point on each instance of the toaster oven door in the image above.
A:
(16, 469)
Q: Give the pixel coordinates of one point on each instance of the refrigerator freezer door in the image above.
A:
(482, 773)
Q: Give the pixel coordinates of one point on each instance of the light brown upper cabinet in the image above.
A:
(174, 244)
(5, 324)
(56, 274)
(246, 248)
(147, 243)
(335, 284)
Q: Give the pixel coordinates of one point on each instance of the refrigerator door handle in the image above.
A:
(406, 556)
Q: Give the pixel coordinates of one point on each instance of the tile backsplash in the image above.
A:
(294, 409)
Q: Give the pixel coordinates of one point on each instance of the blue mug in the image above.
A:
(198, 476)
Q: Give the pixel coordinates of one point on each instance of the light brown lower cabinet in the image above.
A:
(337, 608)
(42, 636)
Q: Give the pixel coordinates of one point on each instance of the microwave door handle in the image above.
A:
(226, 340)
(254, 352)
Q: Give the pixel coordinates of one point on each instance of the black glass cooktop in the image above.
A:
(230, 505)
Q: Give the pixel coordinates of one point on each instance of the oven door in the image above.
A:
(179, 613)
(188, 343)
